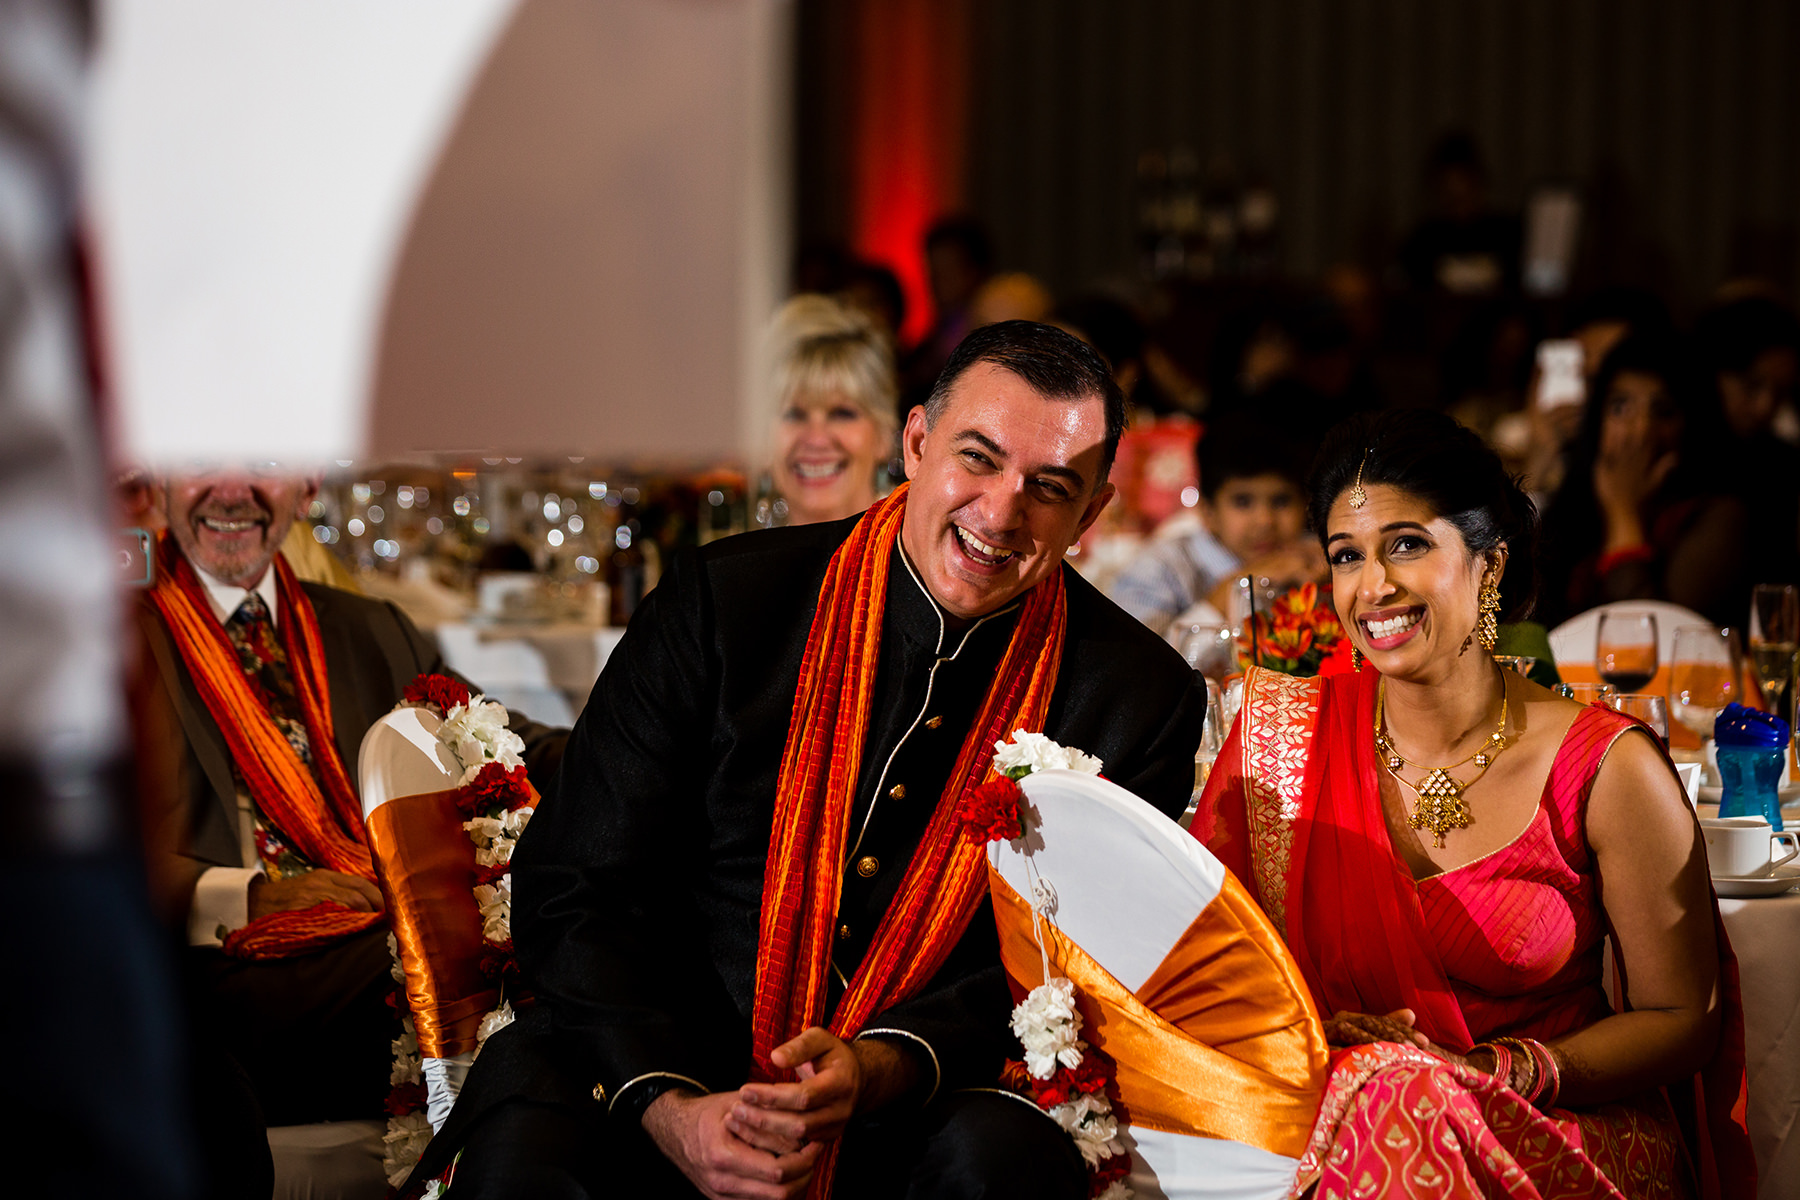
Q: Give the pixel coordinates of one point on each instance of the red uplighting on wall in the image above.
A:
(908, 136)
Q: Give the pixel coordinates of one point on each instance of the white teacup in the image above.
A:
(1743, 847)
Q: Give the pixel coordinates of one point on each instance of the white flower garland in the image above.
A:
(476, 735)
(1047, 1022)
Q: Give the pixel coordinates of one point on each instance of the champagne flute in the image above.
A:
(1705, 675)
(1625, 650)
(1774, 642)
(1651, 710)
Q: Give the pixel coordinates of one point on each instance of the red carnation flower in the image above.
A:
(405, 1098)
(1090, 1076)
(1107, 1171)
(436, 691)
(497, 961)
(495, 788)
(990, 811)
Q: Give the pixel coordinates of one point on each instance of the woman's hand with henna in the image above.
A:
(1363, 1029)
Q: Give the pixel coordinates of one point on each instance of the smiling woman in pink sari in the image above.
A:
(1446, 846)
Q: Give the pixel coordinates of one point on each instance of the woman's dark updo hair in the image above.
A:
(1448, 467)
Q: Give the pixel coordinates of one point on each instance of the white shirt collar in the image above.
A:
(225, 597)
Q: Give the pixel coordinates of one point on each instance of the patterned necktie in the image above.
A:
(264, 661)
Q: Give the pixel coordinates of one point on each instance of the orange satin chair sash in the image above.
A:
(1237, 1052)
(426, 866)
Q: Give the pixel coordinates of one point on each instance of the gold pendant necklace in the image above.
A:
(1440, 806)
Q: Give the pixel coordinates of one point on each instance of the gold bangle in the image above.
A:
(1522, 1053)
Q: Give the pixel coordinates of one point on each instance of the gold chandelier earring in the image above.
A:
(1487, 622)
(1356, 658)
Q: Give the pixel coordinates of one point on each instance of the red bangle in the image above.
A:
(1625, 554)
(1530, 1090)
(1548, 1073)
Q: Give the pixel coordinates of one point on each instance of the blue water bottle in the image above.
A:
(1752, 747)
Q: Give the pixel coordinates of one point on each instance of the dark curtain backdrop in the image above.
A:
(1679, 119)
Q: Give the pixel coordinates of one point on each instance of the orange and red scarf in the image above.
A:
(319, 814)
(947, 877)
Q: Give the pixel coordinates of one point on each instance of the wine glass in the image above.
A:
(1651, 710)
(1518, 664)
(1705, 676)
(1625, 649)
(1212, 740)
(1775, 641)
(1587, 693)
(1210, 648)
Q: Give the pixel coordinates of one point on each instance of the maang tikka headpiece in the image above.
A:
(1358, 497)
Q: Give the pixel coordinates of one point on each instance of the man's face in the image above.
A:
(1255, 516)
(230, 524)
(1002, 485)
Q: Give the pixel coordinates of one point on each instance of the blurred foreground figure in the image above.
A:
(93, 1075)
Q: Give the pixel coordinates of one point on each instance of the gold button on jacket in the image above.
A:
(867, 865)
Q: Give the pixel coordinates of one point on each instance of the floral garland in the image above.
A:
(1070, 1080)
(491, 794)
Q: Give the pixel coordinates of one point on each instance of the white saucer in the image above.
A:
(1710, 794)
(1781, 879)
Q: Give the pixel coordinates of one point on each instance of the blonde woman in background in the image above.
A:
(834, 393)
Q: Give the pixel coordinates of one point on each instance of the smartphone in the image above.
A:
(1561, 382)
(136, 565)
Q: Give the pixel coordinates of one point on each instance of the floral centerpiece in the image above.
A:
(1063, 1075)
(1299, 634)
(494, 798)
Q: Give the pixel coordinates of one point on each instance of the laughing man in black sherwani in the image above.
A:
(761, 947)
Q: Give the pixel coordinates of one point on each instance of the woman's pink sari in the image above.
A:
(1510, 945)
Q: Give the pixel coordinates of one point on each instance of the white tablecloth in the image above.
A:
(543, 671)
(1766, 937)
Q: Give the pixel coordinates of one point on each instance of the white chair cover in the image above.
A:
(401, 756)
(1128, 883)
(1574, 640)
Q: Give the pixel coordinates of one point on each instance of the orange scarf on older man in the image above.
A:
(947, 877)
(319, 814)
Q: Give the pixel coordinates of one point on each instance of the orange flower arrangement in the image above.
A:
(1297, 634)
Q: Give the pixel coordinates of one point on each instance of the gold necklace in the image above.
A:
(1440, 806)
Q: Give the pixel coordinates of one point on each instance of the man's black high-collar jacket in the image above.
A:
(638, 885)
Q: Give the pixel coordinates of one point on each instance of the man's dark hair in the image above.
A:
(1241, 446)
(1733, 336)
(968, 235)
(1057, 365)
(1428, 455)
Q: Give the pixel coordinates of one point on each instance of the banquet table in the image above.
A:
(543, 670)
(1765, 934)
